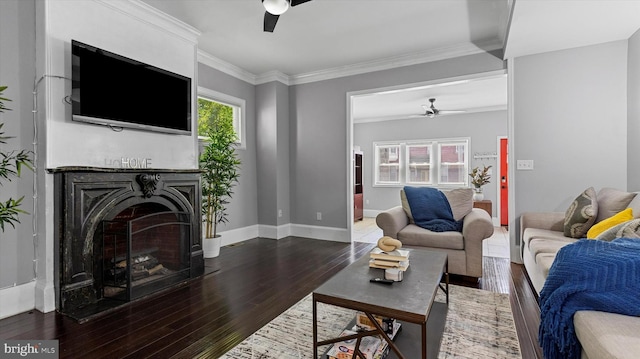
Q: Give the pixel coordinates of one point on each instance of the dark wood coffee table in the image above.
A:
(409, 301)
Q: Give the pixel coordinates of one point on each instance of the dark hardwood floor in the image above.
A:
(249, 284)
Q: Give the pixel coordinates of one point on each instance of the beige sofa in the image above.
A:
(602, 335)
(463, 249)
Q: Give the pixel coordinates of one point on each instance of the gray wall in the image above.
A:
(570, 117)
(17, 57)
(283, 148)
(482, 128)
(242, 210)
(633, 113)
(319, 138)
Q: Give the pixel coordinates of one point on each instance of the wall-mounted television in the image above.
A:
(113, 90)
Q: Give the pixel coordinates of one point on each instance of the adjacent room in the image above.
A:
(320, 178)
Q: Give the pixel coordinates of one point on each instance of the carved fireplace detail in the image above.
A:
(122, 234)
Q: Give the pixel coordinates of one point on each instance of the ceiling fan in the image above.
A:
(432, 111)
(275, 8)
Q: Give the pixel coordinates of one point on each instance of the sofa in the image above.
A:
(601, 335)
(464, 249)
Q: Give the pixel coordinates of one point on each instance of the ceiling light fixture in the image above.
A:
(276, 7)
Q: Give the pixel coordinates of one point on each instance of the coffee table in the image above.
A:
(408, 301)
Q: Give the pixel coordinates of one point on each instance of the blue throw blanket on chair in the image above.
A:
(587, 275)
(431, 210)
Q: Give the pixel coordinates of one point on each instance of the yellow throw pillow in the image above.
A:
(605, 224)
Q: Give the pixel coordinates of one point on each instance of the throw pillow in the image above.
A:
(405, 206)
(461, 201)
(612, 201)
(596, 229)
(635, 205)
(629, 229)
(581, 214)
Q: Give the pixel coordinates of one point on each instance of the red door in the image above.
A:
(504, 183)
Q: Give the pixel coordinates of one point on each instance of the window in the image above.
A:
(215, 104)
(442, 163)
(388, 164)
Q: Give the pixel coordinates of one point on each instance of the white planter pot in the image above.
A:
(211, 246)
(477, 194)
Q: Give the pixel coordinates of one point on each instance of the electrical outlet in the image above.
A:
(319, 216)
(279, 213)
(366, 202)
(526, 165)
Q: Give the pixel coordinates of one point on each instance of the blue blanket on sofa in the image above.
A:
(587, 275)
(431, 210)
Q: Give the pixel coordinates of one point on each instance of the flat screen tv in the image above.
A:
(116, 91)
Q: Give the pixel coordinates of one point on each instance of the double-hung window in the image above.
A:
(215, 104)
(429, 162)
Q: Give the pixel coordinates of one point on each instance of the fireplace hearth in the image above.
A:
(123, 234)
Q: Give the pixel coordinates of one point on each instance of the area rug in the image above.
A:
(479, 325)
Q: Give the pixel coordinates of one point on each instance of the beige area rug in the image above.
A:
(479, 325)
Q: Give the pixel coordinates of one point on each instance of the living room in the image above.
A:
(563, 97)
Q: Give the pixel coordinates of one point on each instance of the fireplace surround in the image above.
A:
(123, 234)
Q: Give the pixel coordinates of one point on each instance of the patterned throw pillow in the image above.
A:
(581, 214)
(612, 221)
(629, 229)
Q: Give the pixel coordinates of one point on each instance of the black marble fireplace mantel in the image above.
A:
(88, 197)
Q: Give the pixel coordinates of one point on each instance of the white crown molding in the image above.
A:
(348, 70)
(396, 61)
(273, 76)
(144, 12)
(226, 67)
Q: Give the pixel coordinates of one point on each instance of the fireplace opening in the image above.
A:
(144, 248)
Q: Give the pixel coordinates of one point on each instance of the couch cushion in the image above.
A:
(581, 214)
(461, 201)
(629, 229)
(531, 233)
(413, 235)
(405, 206)
(612, 201)
(543, 245)
(621, 217)
(607, 335)
(635, 205)
(544, 262)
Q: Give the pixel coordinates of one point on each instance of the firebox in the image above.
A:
(123, 234)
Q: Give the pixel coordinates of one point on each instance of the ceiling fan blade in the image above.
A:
(298, 2)
(450, 112)
(270, 21)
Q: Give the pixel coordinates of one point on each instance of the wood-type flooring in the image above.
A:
(247, 286)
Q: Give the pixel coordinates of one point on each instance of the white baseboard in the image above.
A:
(18, 299)
(239, 235)
(274, 232)
(323, 233)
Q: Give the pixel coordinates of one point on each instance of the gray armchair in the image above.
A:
(464, 249)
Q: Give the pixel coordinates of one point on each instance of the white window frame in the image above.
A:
(377, 164)
(239, 110)
(435, 164)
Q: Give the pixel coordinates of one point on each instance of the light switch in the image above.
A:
(525, 165)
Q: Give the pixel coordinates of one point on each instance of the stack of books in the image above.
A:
(373, 347)
(398, 259)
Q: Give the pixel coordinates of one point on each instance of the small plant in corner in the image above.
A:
(219, 165)
(11, 163)
(480, 177)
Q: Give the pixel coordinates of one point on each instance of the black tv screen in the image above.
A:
(113, 90)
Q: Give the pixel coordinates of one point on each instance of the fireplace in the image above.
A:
(123, 234)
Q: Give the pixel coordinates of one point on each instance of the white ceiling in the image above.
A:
(334, 36)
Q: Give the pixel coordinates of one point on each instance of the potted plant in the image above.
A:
(219, 166)
(10, 166)
(479, 178)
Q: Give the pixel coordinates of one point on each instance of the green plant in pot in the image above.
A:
(220, 172)
(479, 178)
(11, 163)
